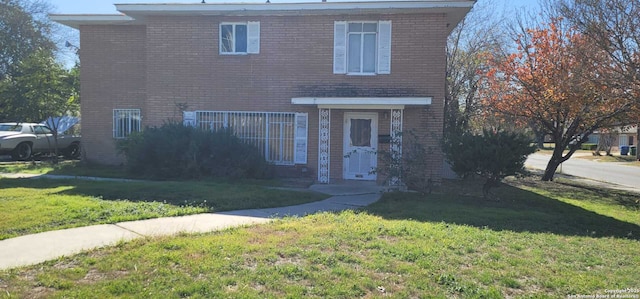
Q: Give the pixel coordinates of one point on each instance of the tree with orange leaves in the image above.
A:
(551, 82)
(614, 27)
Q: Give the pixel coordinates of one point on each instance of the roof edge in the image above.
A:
(75, 20)
(203, 8)
(136, 13)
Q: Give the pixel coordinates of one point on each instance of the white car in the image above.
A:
(22, 140)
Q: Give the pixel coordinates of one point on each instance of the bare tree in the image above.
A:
(606, 141)
(477, 35)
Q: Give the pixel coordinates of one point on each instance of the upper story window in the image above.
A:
(240, 38)
(362, 48)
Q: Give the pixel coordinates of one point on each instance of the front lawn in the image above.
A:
(73, 168)
(34, 205)
(532, 243)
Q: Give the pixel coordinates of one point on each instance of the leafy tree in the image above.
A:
(613, 26)
(493, 155)
(39, 88)
(548, 82)
(24, 28)
(32, 85)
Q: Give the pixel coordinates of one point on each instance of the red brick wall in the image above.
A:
(183, 65)
(113, 76)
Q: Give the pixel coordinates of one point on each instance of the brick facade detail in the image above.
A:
(174, 60)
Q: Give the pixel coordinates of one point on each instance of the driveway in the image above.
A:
(609, 172)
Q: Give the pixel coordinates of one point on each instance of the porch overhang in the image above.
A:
(363, 102)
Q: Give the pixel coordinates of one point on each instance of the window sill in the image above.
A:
(362, 74)
(233, 54)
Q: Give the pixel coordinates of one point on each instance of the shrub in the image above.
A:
(411, 168)
(589, 146)
(493, 155)
(176, 151)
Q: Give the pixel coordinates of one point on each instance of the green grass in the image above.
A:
(35, 205)
(74, 168)
(451, 244)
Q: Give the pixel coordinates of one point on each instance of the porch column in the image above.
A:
(324, 127)
(396, 146)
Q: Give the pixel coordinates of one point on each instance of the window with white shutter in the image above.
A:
(301, 130)
(240, 38)
(340, 48)
(362, 48)
(384, 47)
(253, 37)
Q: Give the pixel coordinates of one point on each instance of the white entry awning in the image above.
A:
(363, 103)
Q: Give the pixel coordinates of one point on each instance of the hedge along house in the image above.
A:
(318, 86)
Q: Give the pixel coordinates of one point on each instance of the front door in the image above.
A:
(360, 144)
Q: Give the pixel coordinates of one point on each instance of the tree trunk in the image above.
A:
(638, 142)
(540, 139)
(554, 162)
(550, 171)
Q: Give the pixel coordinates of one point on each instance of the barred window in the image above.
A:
(281, 136)
(125, 122)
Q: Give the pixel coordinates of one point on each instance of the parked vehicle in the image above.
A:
(23, 140)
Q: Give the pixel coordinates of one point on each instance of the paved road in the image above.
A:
(610, 172)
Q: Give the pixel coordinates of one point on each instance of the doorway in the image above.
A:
(360, 145)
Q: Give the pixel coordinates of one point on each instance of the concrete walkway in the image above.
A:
(37, 248)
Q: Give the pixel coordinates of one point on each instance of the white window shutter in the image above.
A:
(253, 37)
(301, 133)
(384, 47)
(189, 118)
(340, 47)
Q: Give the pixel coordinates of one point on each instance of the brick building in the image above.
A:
(318, 86)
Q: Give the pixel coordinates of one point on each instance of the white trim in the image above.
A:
(361, 48)
(209, 8)
(75, 21)
(301, 134)
(253, 37)
(454, 11)
(383, 55)
(340, 47)
(362, 107)
(324, 145)
(233, 50)
(384, 102)
(395, 147)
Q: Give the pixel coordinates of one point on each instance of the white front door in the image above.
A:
(360, 144)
